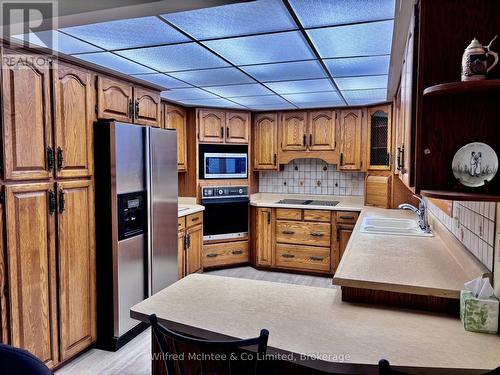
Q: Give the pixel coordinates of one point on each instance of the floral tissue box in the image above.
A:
(479, 315)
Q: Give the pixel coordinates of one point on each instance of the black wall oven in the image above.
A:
(226, 212)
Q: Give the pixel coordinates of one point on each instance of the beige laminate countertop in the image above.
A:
(188, 206)
(313, 321)
(346, 203)
(417, 265)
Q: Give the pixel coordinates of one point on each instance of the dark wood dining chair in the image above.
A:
(15, 361)
(185, 355)
(384, 368)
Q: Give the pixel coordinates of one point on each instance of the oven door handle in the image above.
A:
(210, 201)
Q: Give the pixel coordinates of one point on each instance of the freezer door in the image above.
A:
(129, 151)
(162, 190)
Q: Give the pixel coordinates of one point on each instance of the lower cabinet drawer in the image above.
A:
(222, 254)
(303, 257)
(315, 234)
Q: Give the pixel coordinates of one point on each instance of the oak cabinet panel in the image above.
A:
(73, 118)
(32, 270)
(76, 266)
(350, 139)
(343, 235)
(27, 133)
(322, 130)
(175, 118)
(303, 233)
(265, 141)
(181, 272)
(225, 253)
(147, 107)
(264, 237)
(211, 126)
(193, 250)
(310, 258)
(237, 127)
(114, 99)
(294, 131)
(379, 138)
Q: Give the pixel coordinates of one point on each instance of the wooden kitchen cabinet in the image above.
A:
(190, 244)
(293, 131)
(26, 120)
(4, 316)
(264, 236)
(73, 119)
(265, 143)
(350, 139)
(343, 234)
(115, 99)
(193, 249)
(344, 225)
(31, 254)
(237, 127)
(379, 138)
(175, 118)
(147, 107)
(76, 267)
(322, 130)
(225, 254)
(211, 125)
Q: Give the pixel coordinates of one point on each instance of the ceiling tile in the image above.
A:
(58, 42)
(272, 107)
(362, 83)
(315, 13)
(286, 71)
(359, 97)
(295, 87)
(261, 49)
(130, 33)
(233, 91)
(260, 100)
(217, 102)
(331, 97)
(176, 57)
(163, 80)
(111, 61)
(212, 77)
(353, 40)
(358, 66)
(186, 94)
(234, 19)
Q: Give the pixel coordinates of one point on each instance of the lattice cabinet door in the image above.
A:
(379, 138)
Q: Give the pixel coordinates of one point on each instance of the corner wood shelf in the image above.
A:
(460, 196)
(467, 87)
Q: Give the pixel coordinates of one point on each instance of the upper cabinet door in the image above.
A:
(211, 124)
(27, 133)
(265, 141)
(293, 131)
(114, 100)
(175, 118)
(350, 139)
(322, 130)
(147, 107)
(76, 264)
(73, 117)
(379, 138)
(32, 270)
(237, 127)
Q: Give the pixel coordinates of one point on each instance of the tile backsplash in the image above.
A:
(311, 176)
(473, 223)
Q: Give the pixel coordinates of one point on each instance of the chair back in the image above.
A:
(184, 355)
(19, 361)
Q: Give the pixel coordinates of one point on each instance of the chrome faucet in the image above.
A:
(421, 212)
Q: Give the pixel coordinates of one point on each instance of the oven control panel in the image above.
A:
(225, 191)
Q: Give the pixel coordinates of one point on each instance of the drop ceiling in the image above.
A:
(261, 55)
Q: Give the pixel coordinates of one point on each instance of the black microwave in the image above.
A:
(223, 162)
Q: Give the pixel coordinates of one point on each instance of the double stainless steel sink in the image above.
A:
(393, 226)
(308, 202)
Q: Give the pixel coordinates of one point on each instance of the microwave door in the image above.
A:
(223, 165)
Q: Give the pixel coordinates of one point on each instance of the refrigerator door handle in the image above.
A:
(149, 257)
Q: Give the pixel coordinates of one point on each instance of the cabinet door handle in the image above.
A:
(50, 158)
(274, 159)
(338, 234)
(398, 159)
(304, 140)
(52, 202)
(189, 241)
(317, 234)
(268, 217)
(288, 255)
(195, 219)
(222, 132)
(212, 255)
(237, 252)
(341, 158)
(346, 217)
(60, 158)
(136, 113)
(227, 132)
(288, 232)
(310, 140)
(131, 108)
(316, 258)
(62, 201)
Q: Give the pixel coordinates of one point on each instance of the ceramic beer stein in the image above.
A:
(475, 60)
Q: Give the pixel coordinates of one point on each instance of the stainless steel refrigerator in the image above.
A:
(136, 222)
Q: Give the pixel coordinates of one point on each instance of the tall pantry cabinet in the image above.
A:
(47, 300)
